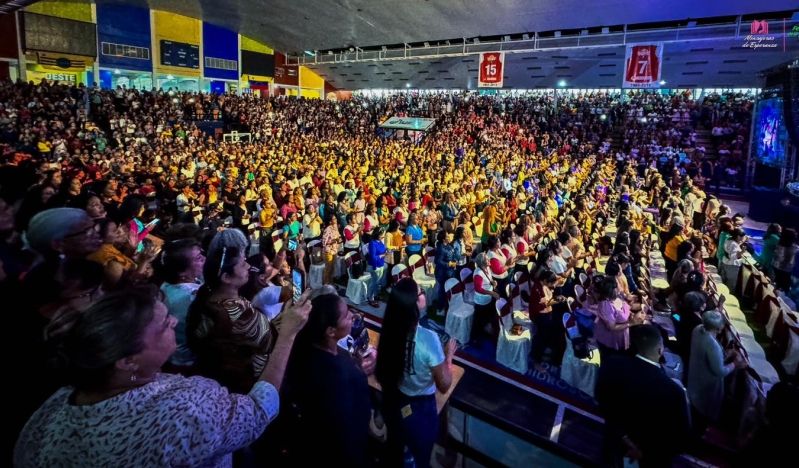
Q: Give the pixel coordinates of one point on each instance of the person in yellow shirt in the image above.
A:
(267, 216)
(677, 237)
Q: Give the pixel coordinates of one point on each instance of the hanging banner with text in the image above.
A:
(492, 66)
(642, 66)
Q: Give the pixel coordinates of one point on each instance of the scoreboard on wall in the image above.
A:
(178, 54)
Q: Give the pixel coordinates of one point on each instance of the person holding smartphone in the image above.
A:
(541, 303)
(412, 365)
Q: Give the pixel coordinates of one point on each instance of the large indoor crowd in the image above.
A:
(152, 266)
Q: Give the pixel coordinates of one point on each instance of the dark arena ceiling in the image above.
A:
(299, 25)
(296, 26)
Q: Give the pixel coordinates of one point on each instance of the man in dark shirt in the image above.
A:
(646, 412)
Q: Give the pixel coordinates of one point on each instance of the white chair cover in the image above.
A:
(427, 283)
(767, 373)
(742, 328)
(521, 313)
(398, 272)
(340, 266)
(460, 315)
(580, 373)
(735, 314)
(791, 360)
(752, 347)
(468, 285)
(316, 275)
(357, 288)
(522, 280)
(512, 350)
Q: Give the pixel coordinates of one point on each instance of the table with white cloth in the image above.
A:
(581, 373)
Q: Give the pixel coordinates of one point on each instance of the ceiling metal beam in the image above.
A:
(730, 31)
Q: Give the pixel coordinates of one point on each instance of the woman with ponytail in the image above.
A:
(411, 365)
(328, 387)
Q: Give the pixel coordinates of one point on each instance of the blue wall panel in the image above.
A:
(124, 25)
(220, 43)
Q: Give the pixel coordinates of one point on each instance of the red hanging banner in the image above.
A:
(492, 66)
(642, 66)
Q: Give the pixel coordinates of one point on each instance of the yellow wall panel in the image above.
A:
(309, 79)
(75, 10)
(177, 28)
(254, 46)
(310, 93)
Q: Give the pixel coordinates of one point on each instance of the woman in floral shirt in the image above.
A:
(121, 411)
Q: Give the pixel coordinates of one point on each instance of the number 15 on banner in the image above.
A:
(491, 70)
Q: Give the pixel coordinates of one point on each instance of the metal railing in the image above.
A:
(538, 43)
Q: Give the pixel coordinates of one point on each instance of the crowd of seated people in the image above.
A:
(136, 244)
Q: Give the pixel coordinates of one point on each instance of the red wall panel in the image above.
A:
(8, 36)
(284, 74)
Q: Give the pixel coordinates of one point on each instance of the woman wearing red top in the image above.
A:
(547, 331)
(485, 297)
(501, 266)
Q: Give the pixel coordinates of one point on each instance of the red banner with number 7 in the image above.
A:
(642, 66)
(492, 66)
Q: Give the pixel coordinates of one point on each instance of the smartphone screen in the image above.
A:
(298, 284)
(292, 245)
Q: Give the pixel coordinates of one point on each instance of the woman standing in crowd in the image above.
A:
(708, 366)
(770, 240)
(352, 234)
(501, 265)
(331, 243)
(784, 257)
(112, 356)
(411, 366)
(612, 330)
(485, 297)
(229, 337)
(547, 328)
(446, 259)
(329, 388)
(376, 262)
(180, 265)
(732, 261)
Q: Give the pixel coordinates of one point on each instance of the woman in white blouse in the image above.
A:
(733, 254)
(121, 411)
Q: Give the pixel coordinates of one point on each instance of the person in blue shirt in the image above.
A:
(376, 265)
(292, 229)
(446, 259)
(414, 236)
(411, 365)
